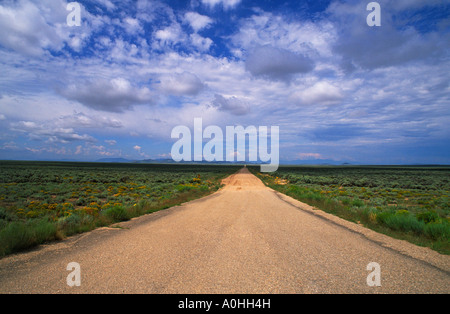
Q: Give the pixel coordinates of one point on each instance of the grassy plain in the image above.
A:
(411, 203)
(43, 201)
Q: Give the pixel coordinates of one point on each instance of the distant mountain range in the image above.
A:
(170, 161)
(114, 160)
(318, 162)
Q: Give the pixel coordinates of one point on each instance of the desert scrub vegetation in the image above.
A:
(44, 201)
(411, 203)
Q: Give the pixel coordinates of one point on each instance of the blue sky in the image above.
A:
(118, 84)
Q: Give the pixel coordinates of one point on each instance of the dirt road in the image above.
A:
(246, 238)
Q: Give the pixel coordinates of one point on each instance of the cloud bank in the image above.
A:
(135, 69)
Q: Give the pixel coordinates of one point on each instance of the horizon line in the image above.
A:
(243, 163)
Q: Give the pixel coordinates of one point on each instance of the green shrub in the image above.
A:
(19, 235)
(81, 202)
(346, 201)
(75, 223)
(313, 196)
(69, 222)
(139, 208)
(15, 236)
(116, 214)
(6, 215)
(404, 222)
(357, 202)
(428, 217)
(185, 187)
(383, 216)
(438, 230)
(43, 230)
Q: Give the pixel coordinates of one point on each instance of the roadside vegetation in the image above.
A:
(410, 203)
(44, 201)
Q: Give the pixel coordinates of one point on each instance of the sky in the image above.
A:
(117, 85)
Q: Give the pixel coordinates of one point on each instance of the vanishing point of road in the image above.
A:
(245, 238)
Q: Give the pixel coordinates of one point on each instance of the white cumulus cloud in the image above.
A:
(321, 93)
(227, 4)
(185, 83)
(197, 21)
